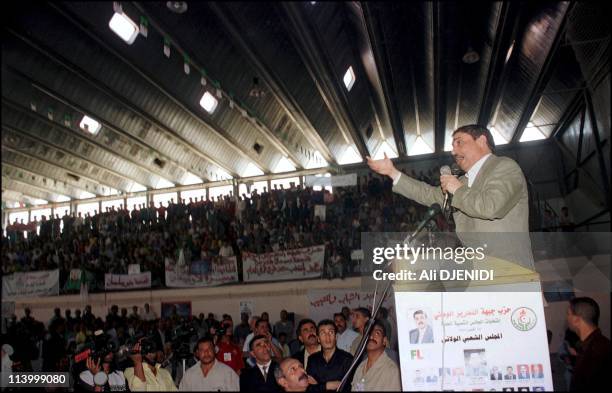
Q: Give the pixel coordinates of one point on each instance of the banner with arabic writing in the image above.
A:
(26, 284)
(205, 273)
(473, 341)
(325, 302)
(284, 265)
(121, 282)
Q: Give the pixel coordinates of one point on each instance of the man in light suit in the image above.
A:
(423, 334)
(490, 198)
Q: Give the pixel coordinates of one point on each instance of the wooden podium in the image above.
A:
(476, 335)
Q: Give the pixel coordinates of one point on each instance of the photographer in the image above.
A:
(147, 376)
(101, 375)
(227, 351)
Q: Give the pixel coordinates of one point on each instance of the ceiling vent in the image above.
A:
(258, 148)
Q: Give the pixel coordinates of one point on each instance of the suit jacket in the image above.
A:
(497, 202)
(252, 380)
(427, 337)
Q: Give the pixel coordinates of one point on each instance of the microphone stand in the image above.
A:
(377, 303)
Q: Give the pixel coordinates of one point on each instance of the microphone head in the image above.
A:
(434, 209)
(100, 378)
(445, 170)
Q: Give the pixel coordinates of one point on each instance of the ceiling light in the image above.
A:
(350, 156)
(470, 56)
(509, 52)
(163, 183)
(420, 147)
(190, 178)
(60, 198)
(498, 138)
(349, 78)
(252, 170)
(208, 102)
(284, 165)
(90, 125)
(532, 134)
(124, 27)
(178, 7)
(385, 148)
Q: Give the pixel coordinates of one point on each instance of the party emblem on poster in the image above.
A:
(523, 319)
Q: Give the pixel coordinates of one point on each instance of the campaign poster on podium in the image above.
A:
(490, 341)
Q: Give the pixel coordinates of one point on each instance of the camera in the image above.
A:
(181, 339)
(147, 345)
(97, 347)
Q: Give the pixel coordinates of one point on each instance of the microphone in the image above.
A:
(444, 171)
(433, 211)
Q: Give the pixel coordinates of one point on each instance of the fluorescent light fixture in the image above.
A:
(385, 147)
(317, 161)
(252, 170)
(419, 147)
(532, 134)
(61, 198)
(350, 156)
(497, 137)
(86, 195)
(90, 125)
(509, 52)
(190, 178)
(349, 78)
(208, 102)
(284, 165)
(136, 187)
(163, 183)
(530, 125)
(124, 27)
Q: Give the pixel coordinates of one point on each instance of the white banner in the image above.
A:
(284, 265)
(325, 303)
(127, 281)
(334, 181)
(41, 283)
(207, 273)
(489, 341)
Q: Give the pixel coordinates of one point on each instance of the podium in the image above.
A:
(478, 335)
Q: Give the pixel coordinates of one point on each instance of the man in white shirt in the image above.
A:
(148, 315)
(377, 372)
(208, 374)
(345, 337)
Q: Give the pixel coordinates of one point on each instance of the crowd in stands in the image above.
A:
(278, 219)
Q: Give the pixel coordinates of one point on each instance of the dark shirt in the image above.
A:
(335, 370)
(593, 363)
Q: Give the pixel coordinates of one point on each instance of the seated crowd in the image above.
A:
(139, 351)
(279, 219)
